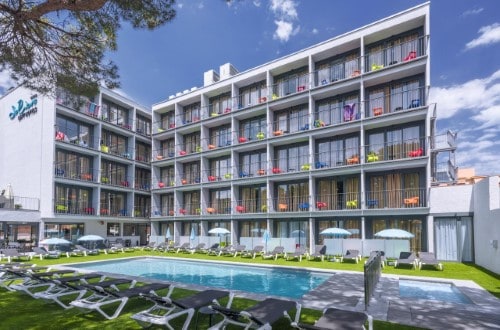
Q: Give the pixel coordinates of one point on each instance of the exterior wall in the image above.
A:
(452, 200)
(26, 144)
(487, 223)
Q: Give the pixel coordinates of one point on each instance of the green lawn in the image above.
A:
(26, 313)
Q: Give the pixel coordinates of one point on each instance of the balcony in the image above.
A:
(336, 158)
(411, 148)
(117, 180)
(189, 209)
(338, 71)
(162, 154)
(217, 207)
(253, 170)
(403, 198)
(291, 204)
(74, 208)
(289, 123)
(114, 210)
(144, 185)
(141, 212)
(340, 201)
(118, 151)
(217, 175)
(291, 164)
(70, 172)
(379, 105)
(399, 53)
(251, 206)
(335, 114)
(19, 203)
(83, 140)
(293, 84)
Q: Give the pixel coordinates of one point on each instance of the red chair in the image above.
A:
(276, 170)
(416, 153)
(240, 208)
(242, 139)
(320, 205)
(411, 55)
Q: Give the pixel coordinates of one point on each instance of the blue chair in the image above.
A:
(321, 164)
(243, 174)
(414, 104)
(304, 206)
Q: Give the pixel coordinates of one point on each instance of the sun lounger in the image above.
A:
(257, 250)
(428, 259)
(274, 254)
(407, 258)
(108, 297)
(237, 249)
(319, 253)
(13, 272)
(166, 309)
(260, 316)
(42, 253)
(334, 318)
(297, 255)
(351, 255)
(34, 282)
(182, 248)
(12, 254)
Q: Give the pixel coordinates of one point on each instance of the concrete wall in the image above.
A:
(451, 199)
(26, 145)
(487, 223)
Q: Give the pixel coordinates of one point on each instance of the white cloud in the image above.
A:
(285, 12)
(6, 81)
(489, 34)
(256, 3)
(284, 30)
(472, 12)
(315, 31)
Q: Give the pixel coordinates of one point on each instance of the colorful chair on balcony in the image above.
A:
(242, 139)
(261, 135)
(276, 170)
(212, 178)
(278, 132)
(371, 203)
(240, 208)
(411, 201)
(304, 206)
(411, 55)
(184, 181)
(305, 167)
(210, 210)
(182, 152)
(320, 164)
(414, 104)
(416, 153)
(261, 172)
(352, 204)
(353, 160)
(378, 111)
(320, 205)
(376, 67)
(319, 123)
(349, 112)
(160, 184)
(211, 146)
(372, 157)
(182, 211)
(282, 207)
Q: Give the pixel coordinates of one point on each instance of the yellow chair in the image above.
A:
(352, 204)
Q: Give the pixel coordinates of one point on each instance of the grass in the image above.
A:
(27, 313)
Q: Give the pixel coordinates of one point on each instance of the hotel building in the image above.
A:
(340, 134)
(72, 166)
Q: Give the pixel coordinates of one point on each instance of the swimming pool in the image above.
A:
(270, 281)
(433, 291)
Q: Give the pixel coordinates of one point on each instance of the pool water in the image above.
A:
(446, 292)
(269, 281)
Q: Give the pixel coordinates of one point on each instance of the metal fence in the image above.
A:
(372, 272)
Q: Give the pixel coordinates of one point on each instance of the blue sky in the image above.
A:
(465, 48)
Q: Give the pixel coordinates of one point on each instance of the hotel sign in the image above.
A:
(24, 109)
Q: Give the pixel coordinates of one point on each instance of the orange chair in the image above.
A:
(261, 172)
(353, 160)
(411, 201)
(210, 210)
(378, 111)
(278, 133)
(282, 207)
(211, 146)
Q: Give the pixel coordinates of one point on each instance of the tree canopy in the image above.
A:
(44, 44)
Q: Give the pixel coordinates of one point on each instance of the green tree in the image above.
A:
(51, 43)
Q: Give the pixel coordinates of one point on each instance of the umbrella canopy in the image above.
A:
(298, 233)
(394, 233)
(335, 231)
(219, 230)
(91, 238)
(193, 234)
(266, 238)
(55, 241)
(167, 234)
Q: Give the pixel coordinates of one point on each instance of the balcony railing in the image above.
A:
(252, 135)
(19, 203)
(189, 209)
(187, 179)
(339, 157)
(250, 206)
(253, 170)
(292, 164)
(337, 72)
(216, 175)
(143, 157)
(117, 150)
(217, 207)
(411, 148)
(162, 154)
(143, 128)
(340, 201)
(403, 198)
(144, 185)
(74, 207)
(164, 212)
(141, 212)
(337, 114)
(394, 102)
(85, 140)
(246, 101)
(292, 124)
(114, 210)
(291, 85)
(402, 52)
(444, 141)
(213, 111)
(116, 180)
(68, 171)
(292, 204)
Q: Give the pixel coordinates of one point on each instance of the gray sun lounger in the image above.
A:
(334, 318)
(260, 316)
(428, 259)
(166, 309)
(406, 258)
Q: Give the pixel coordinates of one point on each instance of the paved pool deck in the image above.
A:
(346, 290)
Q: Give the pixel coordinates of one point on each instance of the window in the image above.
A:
(167, 175)
(253, 228)
(191, 173)
(253, 199)
(142, 179)
(74, 166)
(142, 205)
(220, 201)
(220, 104)
(167, 148)
(252, 163)
(74, 132)
(113, 229)
(337, 151)
(167, 205)
(118, 144)
(412, 224)
(142, 152)
(291, 82)
(220, 168)
(191, 203)
(130, 229)
(292, 120)
(293, 229)
(167, 120)
(192, 142)
(290, 159)
(220, 136)
(339, 193)
(114, 174)
(337, 110)
(73, 200)
(394, 50)
(397, 143)
(337, 68)
(253, 94)
(191, 113)
(114, 203)
(143, 126)
(250, 127)
(391, 190)
(291, 196)
(115, 114)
